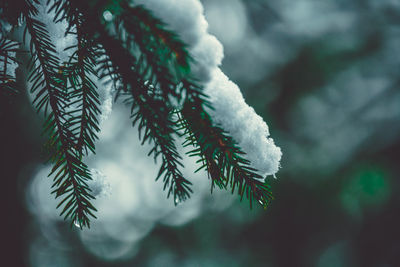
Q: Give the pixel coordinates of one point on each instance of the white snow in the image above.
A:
(99, 184)
(246, 127)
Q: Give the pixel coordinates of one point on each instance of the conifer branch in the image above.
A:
(154, 119)
(149, 66)
(152, 115)
(85, 90)
(219, 155)
(49, 85)
(80, 70)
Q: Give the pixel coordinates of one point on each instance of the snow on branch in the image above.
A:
(230, 111)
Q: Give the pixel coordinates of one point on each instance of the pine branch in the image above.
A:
(224, 161)
(49, 85)
(149, 66)
(80, 70)
(152, 115)
(154, 119)
(86, 91)
(219, 155)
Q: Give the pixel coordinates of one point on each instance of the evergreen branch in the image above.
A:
(149, 65)
(152, 115)
(218, 153)
(49, 84)
(148, 110)
(84, 90)
(154, 119)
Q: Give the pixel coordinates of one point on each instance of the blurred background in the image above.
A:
(325, 75)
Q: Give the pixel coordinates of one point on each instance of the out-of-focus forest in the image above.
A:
(325, 76)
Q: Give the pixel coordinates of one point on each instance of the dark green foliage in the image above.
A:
(151, 111)
(155, 124)
(153, 105)
(50, 88)
(149, 67)
(80, 71)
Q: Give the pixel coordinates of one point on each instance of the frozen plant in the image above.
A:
(160, 60)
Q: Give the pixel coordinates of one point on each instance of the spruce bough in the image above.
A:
(150, 69)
